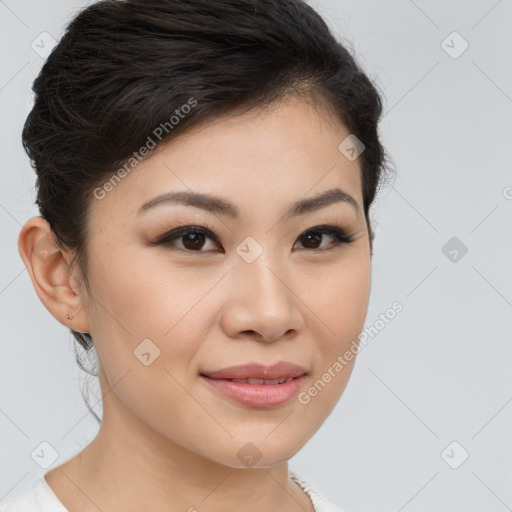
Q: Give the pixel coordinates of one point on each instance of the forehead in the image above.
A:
(262, 158)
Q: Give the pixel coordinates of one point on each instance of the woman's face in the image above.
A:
(262, 286)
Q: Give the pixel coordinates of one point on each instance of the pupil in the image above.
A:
(315, 236)
(196, 239)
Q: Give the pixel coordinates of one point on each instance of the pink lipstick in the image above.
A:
(258, 385)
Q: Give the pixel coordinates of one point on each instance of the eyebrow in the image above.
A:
(221, 206)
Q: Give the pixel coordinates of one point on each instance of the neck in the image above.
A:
(129, 466)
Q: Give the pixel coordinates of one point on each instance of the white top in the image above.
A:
(41, 498)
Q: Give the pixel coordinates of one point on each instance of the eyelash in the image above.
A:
(340, 237)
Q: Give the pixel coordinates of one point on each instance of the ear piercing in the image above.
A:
(70, 317)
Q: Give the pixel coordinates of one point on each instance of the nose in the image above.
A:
(261, 302)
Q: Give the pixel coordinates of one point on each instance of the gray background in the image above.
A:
(440, 371)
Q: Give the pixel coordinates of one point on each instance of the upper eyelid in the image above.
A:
(204, 229)
(178, 232)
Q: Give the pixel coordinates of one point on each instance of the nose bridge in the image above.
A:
(263, 278)
(264, 302)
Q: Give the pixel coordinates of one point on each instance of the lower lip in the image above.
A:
(257, 395)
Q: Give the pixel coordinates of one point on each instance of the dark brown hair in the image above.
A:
(124, 68)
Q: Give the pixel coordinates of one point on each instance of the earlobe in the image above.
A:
(48, 267)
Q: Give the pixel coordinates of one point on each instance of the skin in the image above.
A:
(167, 440)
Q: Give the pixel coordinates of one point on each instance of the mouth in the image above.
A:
(258, 372)
(257, 385)
(266, 382)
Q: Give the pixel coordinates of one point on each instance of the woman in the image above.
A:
(204, 177)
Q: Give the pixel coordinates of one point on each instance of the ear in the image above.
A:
(49, 269)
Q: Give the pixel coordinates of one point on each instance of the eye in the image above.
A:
(312, 236)
(192, 238)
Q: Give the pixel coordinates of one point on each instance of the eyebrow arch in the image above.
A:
(219, 205)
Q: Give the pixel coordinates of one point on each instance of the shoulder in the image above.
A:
(39, 497)
(320, 502)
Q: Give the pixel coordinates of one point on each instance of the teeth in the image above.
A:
(268, 382)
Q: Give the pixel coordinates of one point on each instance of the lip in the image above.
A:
(280, 370)
(257, 395)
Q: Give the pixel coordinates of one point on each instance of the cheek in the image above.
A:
(147, 329)
(339, 307)
(338, 299)
(141, 297)
(339, 304)
(154, 395)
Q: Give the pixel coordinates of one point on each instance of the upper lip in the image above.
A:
(280, 370)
